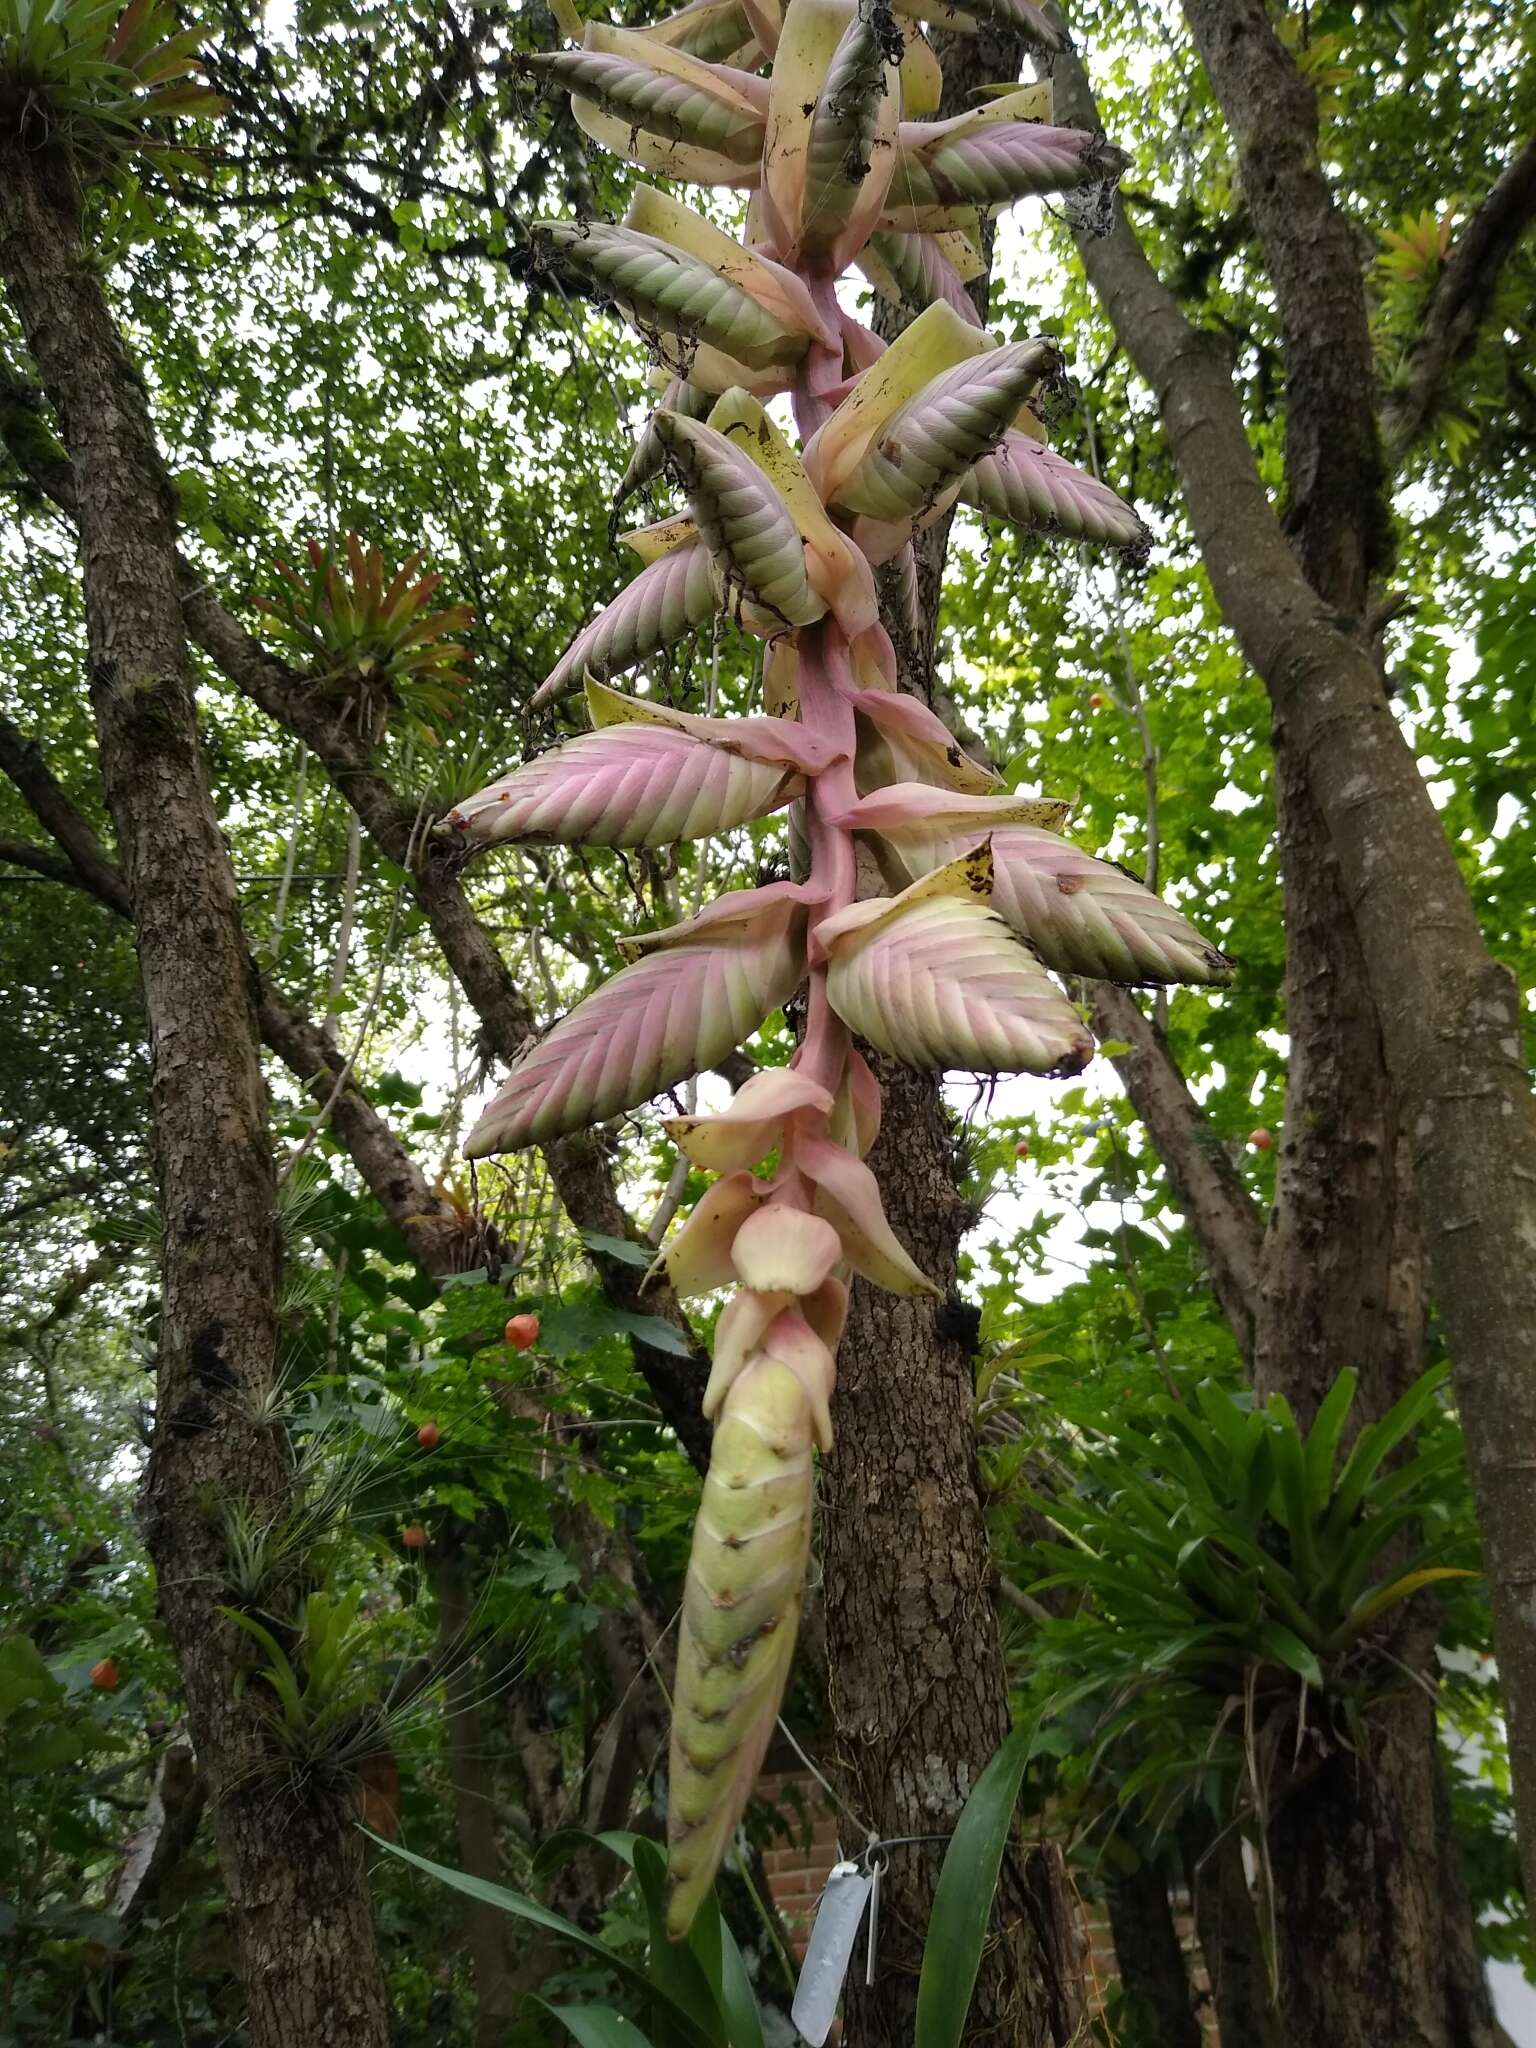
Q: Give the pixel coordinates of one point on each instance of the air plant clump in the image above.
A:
(97, 76)
(952, 968)
(369, 640)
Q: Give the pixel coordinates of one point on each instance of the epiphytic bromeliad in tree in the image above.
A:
(953, 968)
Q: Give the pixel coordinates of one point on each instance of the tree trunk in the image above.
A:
(292, 1859)
(918, 1692)
(1159, 2004)
(1228, 1929)
(1451, 1017)
(491, 1935)
(1331, 1277)
(1367, 1828)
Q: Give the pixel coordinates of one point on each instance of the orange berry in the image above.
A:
(415, 1538)
(523, 1332)
(1096, 701)
(1021, 1150)
(1260, 1140)
(104, 1675)
(429, 1436)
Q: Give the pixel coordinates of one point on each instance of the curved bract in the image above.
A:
(954, 968)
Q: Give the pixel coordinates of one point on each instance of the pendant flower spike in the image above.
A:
(951, 969)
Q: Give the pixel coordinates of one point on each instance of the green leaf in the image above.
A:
(24, 1677)
(524, 1908)
(1376, 1604)
(1373, 1445)
(1323, 1439)
(962, 1905)
(624, 1248)
(477, 1276)
(1295, 1509)
(676, 1970)
(596, 2026)
(1291, 1651)
(47, 1749)
(558, 1848)
(655, 1331)
(738, 1999)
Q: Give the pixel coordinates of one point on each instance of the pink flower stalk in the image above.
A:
(949, 970)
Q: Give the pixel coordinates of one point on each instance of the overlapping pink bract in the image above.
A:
(950, 970)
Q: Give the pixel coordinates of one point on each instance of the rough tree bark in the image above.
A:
(293, 1866)
(917, 1689)
(1343, 1269)
(1450, 1017)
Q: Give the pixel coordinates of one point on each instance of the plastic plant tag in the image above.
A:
(829, 1953)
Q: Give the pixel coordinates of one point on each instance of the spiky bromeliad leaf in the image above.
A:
(110, 73)
(646, 777)
(926, 449)
(650, 458)
(1080, 915)
(695, 993)
(901, 740)
(673, 95)
(936, 978)
(917, 271)
(633, 785)
(838, 572)
(935, 341)
(1036, 489)
(1023, 16)
(711, 30)
(833, 137)
(745, 523)
(675, 300)
(946, 169)
(741, 1611)
(667, 599)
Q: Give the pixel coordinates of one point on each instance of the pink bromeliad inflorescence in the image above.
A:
(951, 969)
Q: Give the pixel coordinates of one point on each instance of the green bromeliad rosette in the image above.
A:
(953, 968)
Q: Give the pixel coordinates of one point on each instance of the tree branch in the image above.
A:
(1205, 1183)
(85, 861)
(67, 1297)
(1337, 514)
(1462, 296)
(52, 867)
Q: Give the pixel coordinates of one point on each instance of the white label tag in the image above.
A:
(829, 1953)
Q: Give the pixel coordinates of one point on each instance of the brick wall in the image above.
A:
(801, 1859)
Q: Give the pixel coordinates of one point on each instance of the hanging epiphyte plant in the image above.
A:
(368, 638)
(953, 968)
(97, 75)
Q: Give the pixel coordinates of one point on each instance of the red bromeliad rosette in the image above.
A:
(951, 969)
